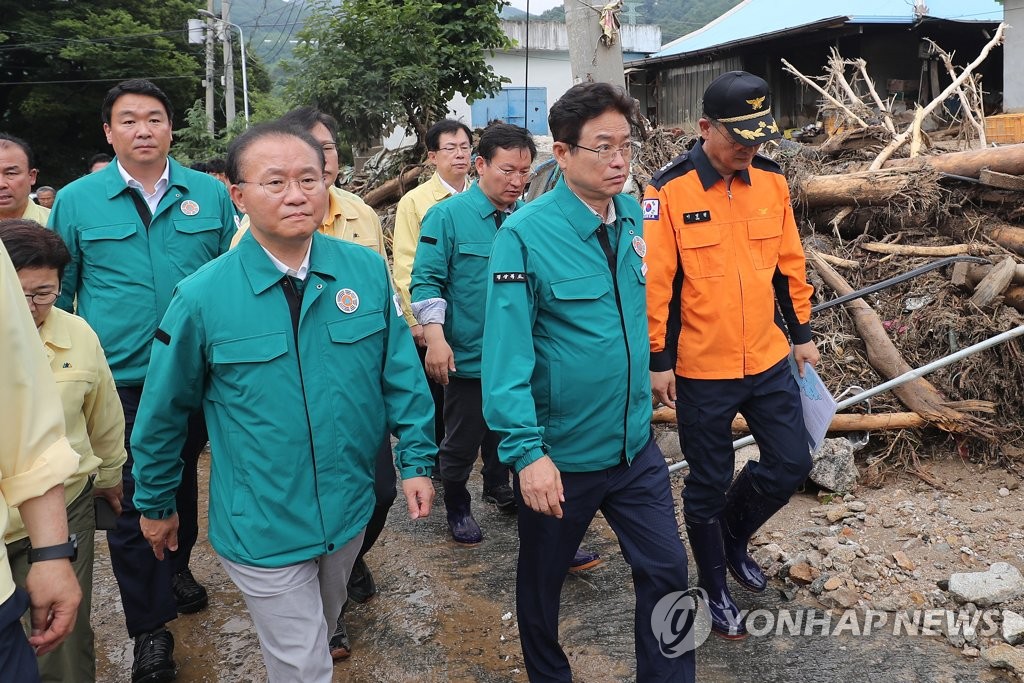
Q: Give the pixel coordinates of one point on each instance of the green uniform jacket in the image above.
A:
(451, 264)
(565, 360)
(294, 425)
(123, 273)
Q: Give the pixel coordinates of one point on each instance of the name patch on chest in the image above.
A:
(510, 277)
(697, 217)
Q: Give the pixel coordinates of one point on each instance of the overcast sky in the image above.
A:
(536, 6)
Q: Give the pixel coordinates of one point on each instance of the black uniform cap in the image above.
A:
(741, 102)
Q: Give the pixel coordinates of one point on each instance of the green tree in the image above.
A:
(375, 64)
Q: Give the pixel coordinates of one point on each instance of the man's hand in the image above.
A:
(540, 482)
(439, 360)
(160, 533)
(54, 591)
(663, 386)
(805, 353)
(419, 495)
(417, 335)
(113, 496)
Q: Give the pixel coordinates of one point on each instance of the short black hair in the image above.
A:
(6, 140)
(30, 245)
(135, 86)
(200, 166)
(505, 136)
(238, 146)
(306, 118)
(586, 101)
(216, 165)
(443, 126)
(99, 158)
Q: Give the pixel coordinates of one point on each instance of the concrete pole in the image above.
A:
(209, 68)
(1013, 56)
(592, 60)
(229, 63)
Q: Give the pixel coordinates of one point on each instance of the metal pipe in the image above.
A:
(897, 381)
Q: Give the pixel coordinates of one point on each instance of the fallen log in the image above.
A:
(392, 190)
(919, 395)
(863, 188)
(841, 422)
(993, 284)
(1008, 236)
(970, 274)
(1007, 159)
(913, 250)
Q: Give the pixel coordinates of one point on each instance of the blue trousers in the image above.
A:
(17, 659)
(144, 581)
(636, 499)
(770, 402)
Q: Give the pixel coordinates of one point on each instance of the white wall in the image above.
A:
(1013, 57)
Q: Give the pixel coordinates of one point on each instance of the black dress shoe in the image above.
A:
(189, 594)
(463, 527)
(501, 496)
(153, 657)
(361, 586)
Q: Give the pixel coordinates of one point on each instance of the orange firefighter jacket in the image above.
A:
(726, 272)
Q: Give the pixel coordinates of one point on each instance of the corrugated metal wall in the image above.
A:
(680, 90)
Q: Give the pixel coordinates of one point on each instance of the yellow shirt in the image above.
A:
(408, 217)
(93, 416)
(35, 455)
(34, 212)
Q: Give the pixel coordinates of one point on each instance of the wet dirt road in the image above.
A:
(446, 613)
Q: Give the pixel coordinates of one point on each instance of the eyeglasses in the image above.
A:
(452, 149)
(606, 153)
(42, 298)
(723, 131)
(525, 176)
(277, 187)
(330, 146)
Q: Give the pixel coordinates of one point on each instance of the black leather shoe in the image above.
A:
(501, 496)
(341, 646)
(709, 556)
(153, 657)
(189, 594)
(464, 528)
(746, 510)
(361, 586)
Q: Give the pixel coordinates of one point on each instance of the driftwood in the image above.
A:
(1006, 159)
(1003, 181)
(393, 189)
(970, 274)
(867, 188)
(919, 395)
(839, 262)
(1009, 237)
(841, 422)
(993, 284)
(913, 250)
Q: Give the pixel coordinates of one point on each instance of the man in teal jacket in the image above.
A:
(566, 385)
(449, 279)
(134, 230)
(292, 345)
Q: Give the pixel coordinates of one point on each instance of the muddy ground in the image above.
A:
(446, 613)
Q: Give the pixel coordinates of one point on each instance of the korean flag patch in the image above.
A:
(652, 209)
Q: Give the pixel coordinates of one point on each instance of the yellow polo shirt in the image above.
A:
(35, 455)
(413, 205)
(34, 212)
(93, 416)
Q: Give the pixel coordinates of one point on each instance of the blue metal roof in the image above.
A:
(754, 18)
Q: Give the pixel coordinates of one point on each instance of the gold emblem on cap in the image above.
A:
(756, 102)
(746, 117)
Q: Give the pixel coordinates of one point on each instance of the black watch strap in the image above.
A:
(55, 552)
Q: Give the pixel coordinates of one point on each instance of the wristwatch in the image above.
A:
(55, 552)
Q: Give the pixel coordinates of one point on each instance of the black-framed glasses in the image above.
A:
(277, 187)
(43, 298)
(606, 153)
(452, 149)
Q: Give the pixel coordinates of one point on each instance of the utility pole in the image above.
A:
(209, 69)
(593, 59)
(229, 63)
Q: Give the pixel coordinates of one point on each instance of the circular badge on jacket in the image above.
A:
(347, 300)
(189, 207)
(639, 246)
